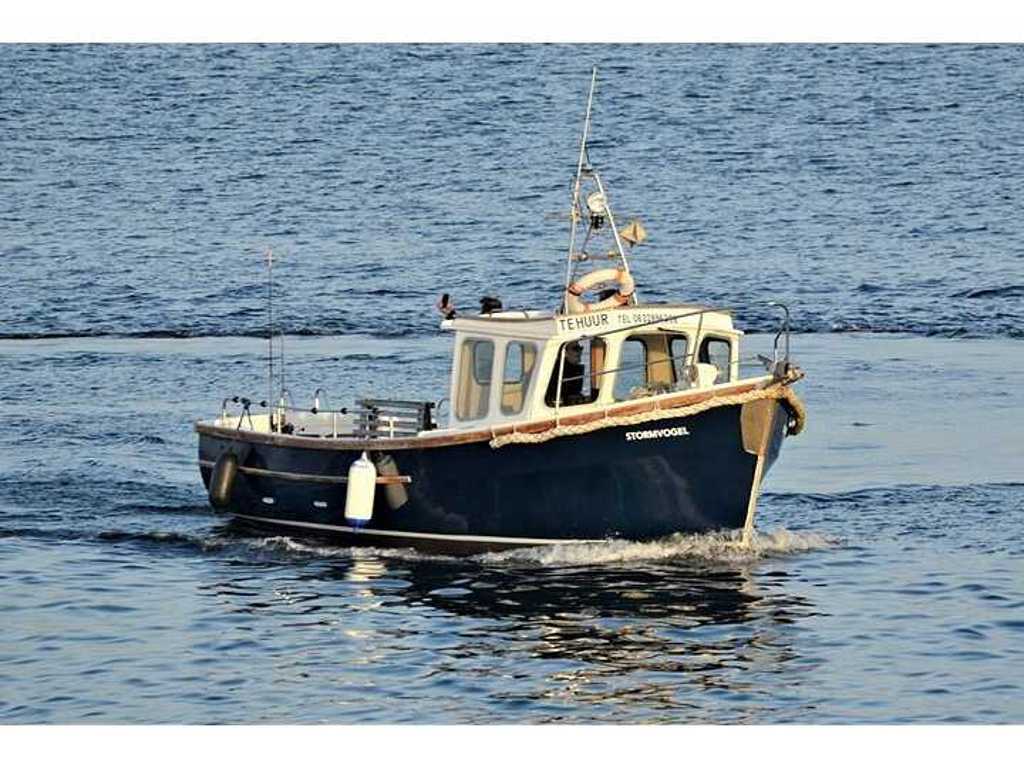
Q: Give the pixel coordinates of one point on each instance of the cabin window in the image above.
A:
(483, 361)
(632, 373)
(718, 352)
(582, 373)
(651, 364)
(519, 363)
(475, 365)
(679, 347)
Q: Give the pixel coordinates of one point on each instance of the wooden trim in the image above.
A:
(757, 419)
(646, 405)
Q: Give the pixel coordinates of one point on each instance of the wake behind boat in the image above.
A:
(606, 418)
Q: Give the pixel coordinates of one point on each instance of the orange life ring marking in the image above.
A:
(613, 274)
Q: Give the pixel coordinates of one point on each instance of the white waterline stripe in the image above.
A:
(417, 535)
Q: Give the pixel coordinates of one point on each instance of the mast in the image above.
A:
(574, 214)
(598, 207)
(270, 338)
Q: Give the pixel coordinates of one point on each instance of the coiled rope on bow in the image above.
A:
(778, 391)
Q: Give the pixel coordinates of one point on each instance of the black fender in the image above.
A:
(222, 479)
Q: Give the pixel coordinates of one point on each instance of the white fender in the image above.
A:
(360, 490)
(575, 305)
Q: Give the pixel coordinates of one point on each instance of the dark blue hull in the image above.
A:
(471, 497)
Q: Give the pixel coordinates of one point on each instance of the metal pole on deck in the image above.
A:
(558, 387)
(579, 181)
(270, 340)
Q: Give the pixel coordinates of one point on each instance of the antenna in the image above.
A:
(269, 256)
(574, 213)
(280, 344)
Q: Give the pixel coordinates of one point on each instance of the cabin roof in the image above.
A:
(531, 324)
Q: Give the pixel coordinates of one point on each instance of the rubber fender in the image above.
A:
(360, 491)
(796, 412)
(394, 493)
(222, 479)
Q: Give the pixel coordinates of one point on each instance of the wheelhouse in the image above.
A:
(519, 366)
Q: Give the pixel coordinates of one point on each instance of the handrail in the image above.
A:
(316, 399)
(314, 411)
(347, 411)
(671, 358)
(784, 328)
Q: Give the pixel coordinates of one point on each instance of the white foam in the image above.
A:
(723, 547)
(726, 547)
(288, 544)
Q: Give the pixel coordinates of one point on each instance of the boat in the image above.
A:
(601, 418)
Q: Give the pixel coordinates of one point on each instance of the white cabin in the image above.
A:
(506, 365)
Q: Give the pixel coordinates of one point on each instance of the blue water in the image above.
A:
(875, 189)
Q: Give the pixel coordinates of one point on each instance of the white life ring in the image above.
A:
(576, 305)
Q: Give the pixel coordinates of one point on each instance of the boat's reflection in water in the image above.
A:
(639, 633)
(655, 636)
